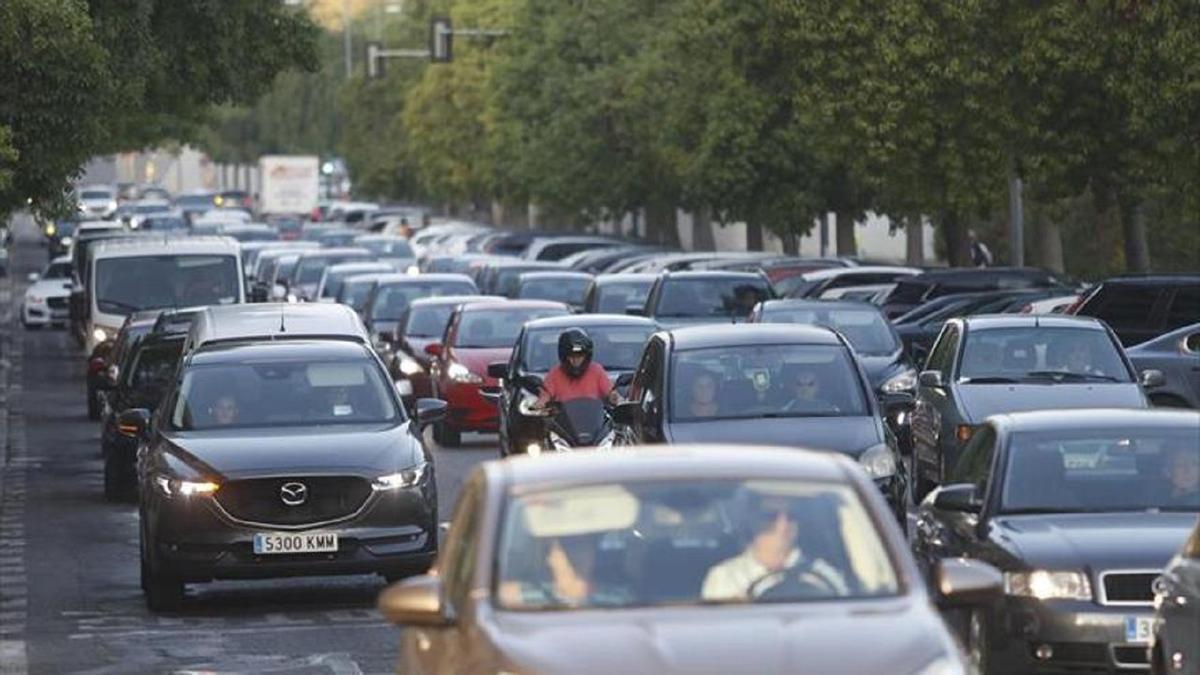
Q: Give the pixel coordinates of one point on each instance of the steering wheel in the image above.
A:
(793, 583)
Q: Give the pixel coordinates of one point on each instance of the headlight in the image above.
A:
(943, 665)
(410, 367)
(51, 229)
(1048, 585)
(533, 449)
(403, 479)
(291, 297)
(878, 461)
(463, 375)
(413, 269)
(172, 487)
(99, 335)
(900, 383)
(66, 241)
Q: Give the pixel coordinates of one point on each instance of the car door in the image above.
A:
(943, 533)
(645, 390)
(932, 404)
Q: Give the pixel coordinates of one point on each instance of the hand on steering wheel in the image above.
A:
(793, 583)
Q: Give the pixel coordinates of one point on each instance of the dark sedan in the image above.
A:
(679, 299)
(617, 293)
(985, 365)
(618, 341)
(761, 384)
(278, 459)
(911, 292)
(1174, 647)
(565, 287)
(1081, 510)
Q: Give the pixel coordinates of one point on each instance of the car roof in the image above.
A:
(623, 277)
(723, 335)
(970, 272)
(990, 321)
(1153, 279)
(238, 351)
(590, 320)
(731, 461)
(481, 305)
(334, 251)
(566, 274)
(712, 274)
(366, 265)
(833, 272)
(452, 300)
(1116, 419)
(807, 303)
(400, 278)
(126, 248)
(278, 320)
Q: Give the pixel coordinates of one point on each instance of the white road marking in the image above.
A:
(217, 630)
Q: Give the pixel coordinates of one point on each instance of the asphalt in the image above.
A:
(69, 595)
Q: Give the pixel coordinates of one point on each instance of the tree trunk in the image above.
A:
(702, 232)
(846, 245)
(754, 237)
(662, 223)
(954, 235)
(914, 241)
(1050, 247)
(791, 243)
(1133, 228)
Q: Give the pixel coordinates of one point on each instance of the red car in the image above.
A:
(479, 333)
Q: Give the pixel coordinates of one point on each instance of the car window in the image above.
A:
(866, 329)
(284, 393)
(752, 381)
(390, 301)
(616, 347)
(1034, 354)
(711, 297)
(1123, 306)
(1103, 470)
(461, 542)
(428, 321)
(942, 356)
(644, 543)
(616, 298)
(154, 365)
(569, 291)
(495, 328)
(128, 284)
(1185, 307)
(975, 464)
(58, 270)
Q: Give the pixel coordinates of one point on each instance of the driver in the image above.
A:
(224, 410)
(1183, 476)
(770, 557)
(807, 394)
(576, 375)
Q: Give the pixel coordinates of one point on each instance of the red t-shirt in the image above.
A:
(594, 383)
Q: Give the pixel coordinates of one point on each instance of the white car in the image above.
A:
(98, 201)
(46, 299)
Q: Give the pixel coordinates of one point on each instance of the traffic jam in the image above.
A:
(703, 462)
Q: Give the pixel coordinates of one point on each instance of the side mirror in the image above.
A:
(416, 601)
(625, 413)
(430, 411)
(133, 422)
(433, 349)
(1151, 378)
(931, 378)
(624, 379)
(635, 310)
(33, 277)
(894, 404)
(963, 497)
(498, 370)
(963, 581)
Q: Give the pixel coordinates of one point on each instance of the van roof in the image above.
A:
(127, 248)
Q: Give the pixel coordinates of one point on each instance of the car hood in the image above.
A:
(1097, 541)
(848, 435)
(821, 638)
(50, 288)
(982, 400)
(374, 449)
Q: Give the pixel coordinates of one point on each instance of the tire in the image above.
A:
(93, 404)
(162, 590)
(978, 645)
(112, 479)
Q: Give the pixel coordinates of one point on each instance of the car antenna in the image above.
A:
(282, 325)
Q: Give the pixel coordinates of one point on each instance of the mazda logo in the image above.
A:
(293, 494)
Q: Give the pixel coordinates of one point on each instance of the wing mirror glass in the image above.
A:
(931, 378)
(1151, 378)
(416, 601)
(963, 497)
(430, 411)
(134, 422)
(963, 581)
(498, 370)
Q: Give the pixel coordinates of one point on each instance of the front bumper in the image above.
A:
(1080, 636)
(43, 315)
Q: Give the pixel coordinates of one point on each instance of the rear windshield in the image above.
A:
(391, 301)
(428, 321)
(866, 329)
(497, 328)
(312, 267)
(355, 294)
(711, 297)
(129, 284)
(617, 298)
(165, 223)
(569, 291)
(96, 194)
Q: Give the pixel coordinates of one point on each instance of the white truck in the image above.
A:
(290, 184)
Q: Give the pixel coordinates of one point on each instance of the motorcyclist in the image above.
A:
(576, 375)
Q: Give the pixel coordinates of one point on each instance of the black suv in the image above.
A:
(1142, 308)
(912, 292)
(282, 458)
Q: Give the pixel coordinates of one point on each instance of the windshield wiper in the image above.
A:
(1068, 375)
(120, 305)
(989, 379)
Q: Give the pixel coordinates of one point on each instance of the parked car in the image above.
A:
(985, 365)
(46, 298)
(815, 283)
(680, 299)
(1081, 510)
(1177, 356)
(263, 451)
(616, 293)
(596, 563)
(478, 334)
(617, 340)
(556, 248)
(760, 384)
(1173, 644)
(913, 291)
(566, 287)
(391, 296)
(1143, 307)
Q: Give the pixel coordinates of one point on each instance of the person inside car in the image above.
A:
(807, 395)
(224, 411)
(1072, 356)
(770, 557)
(576, 375)
(566, 575)
(704, 402)
(1182, 471)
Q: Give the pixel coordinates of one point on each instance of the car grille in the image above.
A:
(57, 303)
(1128, 587)
(259, 500)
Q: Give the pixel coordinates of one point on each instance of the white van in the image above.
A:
(127, 276)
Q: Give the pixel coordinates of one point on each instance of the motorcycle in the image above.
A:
(572, 425)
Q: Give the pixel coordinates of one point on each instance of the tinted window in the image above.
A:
(942, 356)
(866, 329)
(1123, 306)
(711, 297)
(497, 327)
(155, 364)
(355, 294)
(96, 194)
(164, 223)
(616, 298)
(58, 270)
(975, 465)
(125, 285)
(391, 301)
(569, 291)
(1029, 353)
(283, 393)
(312, 267)
(1185, 307)
(617, 347)
(765, 380)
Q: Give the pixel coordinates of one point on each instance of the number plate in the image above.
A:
(271, 543)
(1138, 628)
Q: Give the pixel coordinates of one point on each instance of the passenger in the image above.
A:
(568, 578)
(1073, 355)
(807, 394)
(772, 550)
(1182, 471)
(224, 411)
(576, 375)
(704, 401)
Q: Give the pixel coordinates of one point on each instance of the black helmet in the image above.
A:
(574, 341)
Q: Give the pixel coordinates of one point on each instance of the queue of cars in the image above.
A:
(265, 403)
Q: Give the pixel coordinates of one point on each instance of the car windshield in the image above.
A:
(711, 297)
(756, 381)
(392, 300)
(616, 298)
(151, 208)
(283, 393)
(334, 281)
(644, 543)
(164, 223)
(253, 234)
(498, 328)
(568, 290)
(128, 284)
(1032, 354)
(154, 365)
(507, 279)
(1103, 470)
(866, 329)
(388, 248)
(355, 293)
(194, 201)
(616, 347)
(96, 194)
